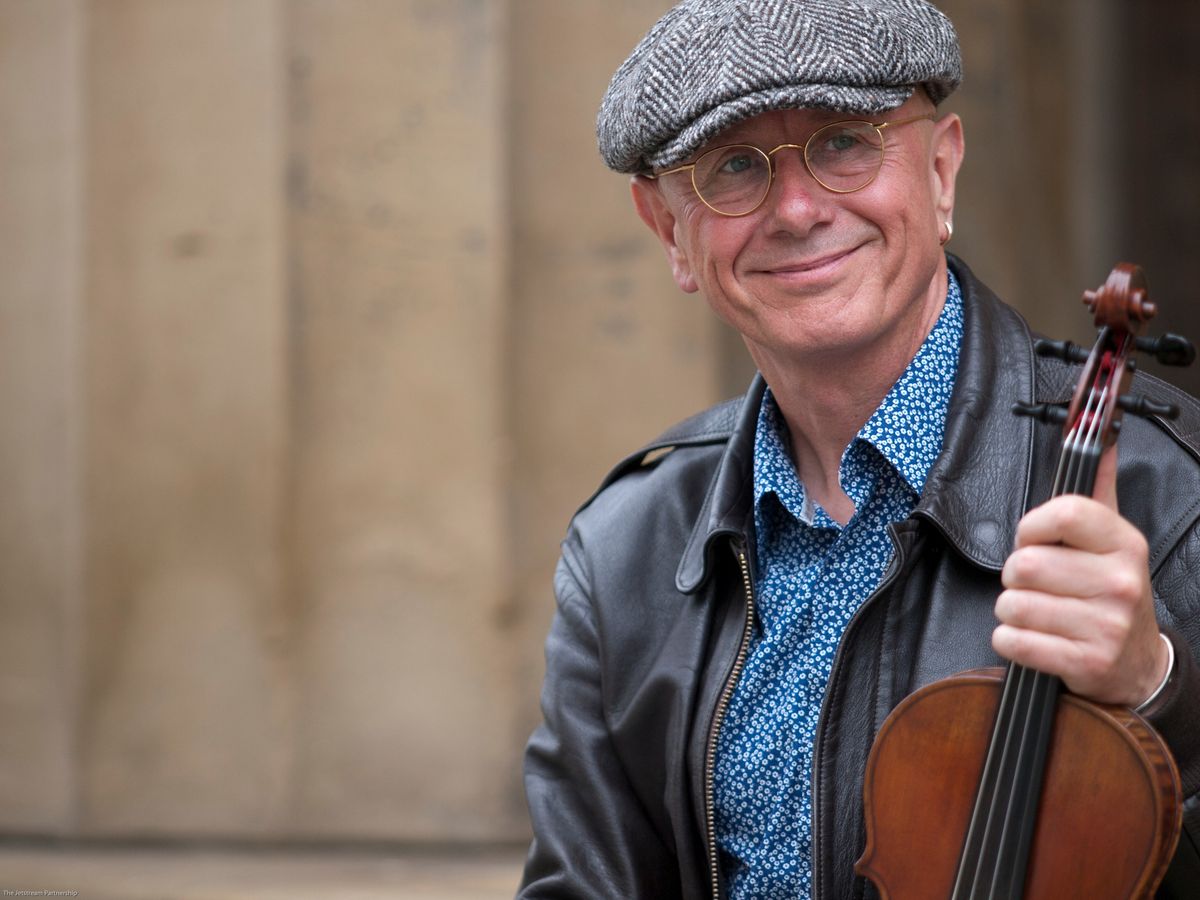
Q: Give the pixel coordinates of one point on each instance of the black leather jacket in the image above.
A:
(655, 609)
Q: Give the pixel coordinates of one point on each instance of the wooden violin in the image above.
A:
(995, 784)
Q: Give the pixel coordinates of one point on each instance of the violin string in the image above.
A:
(1073, 451)
(1004, 862)
(1009, 872)
(1094, 443)
(1063, 457)
(999, 784)
(1015, 755)
(965, 884)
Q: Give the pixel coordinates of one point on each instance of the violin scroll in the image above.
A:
(1122, 302)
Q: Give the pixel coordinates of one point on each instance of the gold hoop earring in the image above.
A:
(949, 233)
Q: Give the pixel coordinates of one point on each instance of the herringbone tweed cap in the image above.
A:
(707, 64)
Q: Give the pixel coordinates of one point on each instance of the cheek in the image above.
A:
(711, 242)
(692, 222)
(906, 217)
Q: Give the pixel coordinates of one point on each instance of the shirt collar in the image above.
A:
(909, 424)
(907, 427)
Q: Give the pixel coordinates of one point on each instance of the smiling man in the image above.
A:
(737, 616)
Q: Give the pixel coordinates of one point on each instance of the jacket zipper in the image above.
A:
(710, 752)
(889, 579)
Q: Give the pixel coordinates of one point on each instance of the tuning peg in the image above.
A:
(1043, 412)
(1064, 350)
(1144, 406)
(1170, 349)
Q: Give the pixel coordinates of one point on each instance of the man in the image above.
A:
(738, 614)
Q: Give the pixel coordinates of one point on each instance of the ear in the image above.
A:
(948, 151)
(651, 205)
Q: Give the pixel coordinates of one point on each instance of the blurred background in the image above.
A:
(318, 318)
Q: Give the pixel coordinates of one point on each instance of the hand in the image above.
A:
(1077, 601)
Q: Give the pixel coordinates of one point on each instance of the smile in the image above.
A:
(808, 268)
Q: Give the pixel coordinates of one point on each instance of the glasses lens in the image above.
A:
(845, 156)
(732, 180)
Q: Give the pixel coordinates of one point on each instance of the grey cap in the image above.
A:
(707, 64)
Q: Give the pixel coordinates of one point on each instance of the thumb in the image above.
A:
(1106, 478)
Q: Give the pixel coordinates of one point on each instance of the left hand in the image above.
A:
(1077, 601)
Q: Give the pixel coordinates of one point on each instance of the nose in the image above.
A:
(796, 201)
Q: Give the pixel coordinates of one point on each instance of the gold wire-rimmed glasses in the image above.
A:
(843, 157)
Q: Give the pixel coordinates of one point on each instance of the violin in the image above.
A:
(996, 784)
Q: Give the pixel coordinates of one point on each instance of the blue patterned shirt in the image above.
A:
(813, 574)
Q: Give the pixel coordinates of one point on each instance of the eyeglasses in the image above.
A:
(842, 157)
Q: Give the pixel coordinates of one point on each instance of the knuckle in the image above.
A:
(1070, 514)
(1126, 584)
(1012, 608)
(1005, 641)
(1113, 628)
(1095, 664)
(1140, 548)
(1023, 566)
(1020, 607)
(1019, 644)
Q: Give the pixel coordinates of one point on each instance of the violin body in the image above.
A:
(1108, 818)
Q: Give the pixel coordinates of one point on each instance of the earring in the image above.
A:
(949, 233)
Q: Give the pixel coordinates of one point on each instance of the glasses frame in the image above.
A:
(770, 155)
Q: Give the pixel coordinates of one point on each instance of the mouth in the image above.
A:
(817, 266)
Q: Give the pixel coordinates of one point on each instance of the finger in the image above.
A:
(1092, 670)
(1079, 522)
(1065, 617)
(1053, 654)
(1067, 571)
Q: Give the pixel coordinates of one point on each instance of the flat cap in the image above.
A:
(707, 64)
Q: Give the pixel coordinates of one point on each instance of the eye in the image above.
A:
(841, 140)
(732, 162)
(738, 163)
(733, 178)
(843, 150)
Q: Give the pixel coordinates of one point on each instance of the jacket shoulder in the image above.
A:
(1184, 428)
(710, 428)
(649, 505)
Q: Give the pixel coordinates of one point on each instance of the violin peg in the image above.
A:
(1064, 350)
(1169, 350)
(1144, 406)
(1043, 412)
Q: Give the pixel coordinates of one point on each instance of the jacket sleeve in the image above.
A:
(1175, 713)
(592, 838)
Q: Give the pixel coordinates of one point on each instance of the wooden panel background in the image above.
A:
(318, 318)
